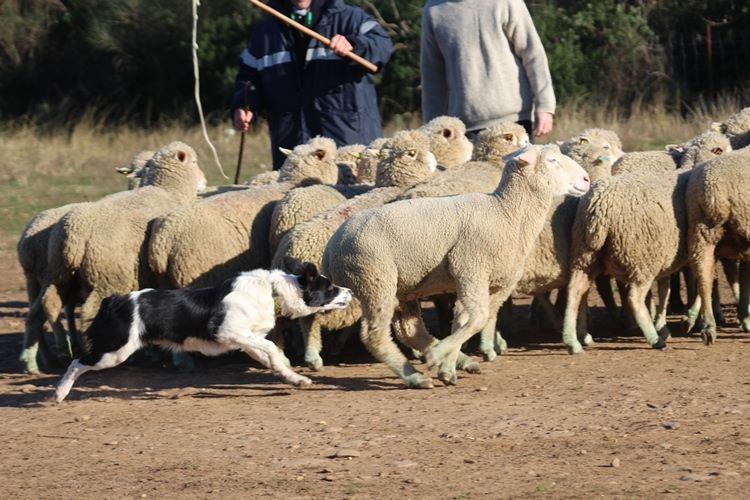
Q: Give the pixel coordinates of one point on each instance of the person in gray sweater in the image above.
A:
(483, 62)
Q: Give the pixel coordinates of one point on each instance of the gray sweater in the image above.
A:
(483, 62)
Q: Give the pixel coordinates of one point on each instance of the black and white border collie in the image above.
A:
(234, 315)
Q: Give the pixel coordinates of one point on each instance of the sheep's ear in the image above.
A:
(447, 133)
(358, 156)
(717, 151)
(124, 170)
(293, 265)
(285, 151)
(527, 157)
(719, 127)
(674, 148)
(583, 140)
(509, 137)
(181, 155)
(320, 154)
(559, 143)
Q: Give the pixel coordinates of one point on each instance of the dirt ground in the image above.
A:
(621, 420)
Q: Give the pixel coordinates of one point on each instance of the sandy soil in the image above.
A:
(621, 420)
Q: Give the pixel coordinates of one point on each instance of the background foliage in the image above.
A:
(129, 60)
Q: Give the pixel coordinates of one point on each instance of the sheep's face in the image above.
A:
(405, 160)
(581, 146)
(175, 162)
(737, 124)
(703, 148)
(448, 141)
(560, 173)
(497, 141)
(315, 160)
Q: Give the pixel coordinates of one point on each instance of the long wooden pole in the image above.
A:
(313, 34)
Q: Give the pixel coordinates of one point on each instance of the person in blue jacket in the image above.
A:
(304, 88)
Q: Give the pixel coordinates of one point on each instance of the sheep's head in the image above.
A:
(736, 127)
(314, 161)
(701, 148)
(136, 169)
(448, 141)
(367, 165)
(347, 159)
(546, 169)
(585, 146)
(497, 141)
(405, 159)
(175, 164)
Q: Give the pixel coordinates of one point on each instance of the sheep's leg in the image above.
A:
(604, 288)
(505, 319)
(545, 305)
(637, 301)
(716, 303)
(469, 316)
(311, 336)
(33, 335)
(89, 308)
(744, 300)
(276, 335)
(491, 342)
(376, 336)
(412, 332)
(731, 269)
(660, 323)
(579, 284)
(582, 324)
(52, 306)
(704, 272)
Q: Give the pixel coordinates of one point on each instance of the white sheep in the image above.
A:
(473, 245)
(448, 141)
(32, 254)
(97, 248)
(719, 225)
(406, 160)
(210, 240)
(698, 149)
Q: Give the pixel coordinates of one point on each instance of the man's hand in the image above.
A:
(242, 119)
(542, 123)
(340, 45)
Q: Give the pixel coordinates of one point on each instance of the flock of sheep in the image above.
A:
(422, 214)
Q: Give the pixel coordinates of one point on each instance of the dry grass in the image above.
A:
(41, 170)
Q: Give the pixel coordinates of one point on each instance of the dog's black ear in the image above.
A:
(311, 272)
(293, 265)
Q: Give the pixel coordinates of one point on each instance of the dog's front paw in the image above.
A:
(302, 382)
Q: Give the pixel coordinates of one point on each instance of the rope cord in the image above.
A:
(196, 75)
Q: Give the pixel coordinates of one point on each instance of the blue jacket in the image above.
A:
(333, 97)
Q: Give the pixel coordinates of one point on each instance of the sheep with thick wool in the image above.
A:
(448, 141)
(588, 145)
(208, 241)
(633, 227)
(736, 128)
(473, 245)
(698, 149)
(99, 247)
(32, 255)
(406, 160)
(718, 213)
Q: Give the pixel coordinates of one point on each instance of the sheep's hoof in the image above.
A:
(576, 348)
(659, 344)
(708, 335)
(587, 339)
(30, 365)
(314, 363)
(470, 366)
(501, 345)
(448, 377)
(488, 354)
(745, 324)
(418, 381)
(665, 333)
